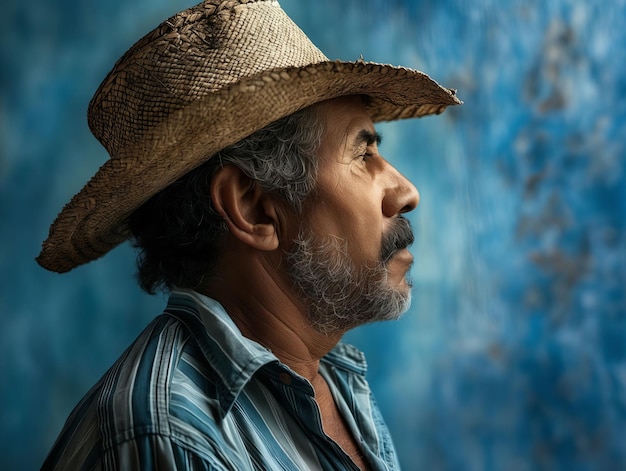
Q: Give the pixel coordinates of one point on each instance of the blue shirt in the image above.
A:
(192, 393)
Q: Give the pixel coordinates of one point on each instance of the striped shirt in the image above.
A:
(192, 393)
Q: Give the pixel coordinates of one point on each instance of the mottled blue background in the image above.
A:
(513, 356)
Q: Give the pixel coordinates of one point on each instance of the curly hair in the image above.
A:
(178, 232)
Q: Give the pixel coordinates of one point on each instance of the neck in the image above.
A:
(263, 305)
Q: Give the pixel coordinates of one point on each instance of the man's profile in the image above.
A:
(245, 168)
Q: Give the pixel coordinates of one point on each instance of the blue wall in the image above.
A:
(514, 353)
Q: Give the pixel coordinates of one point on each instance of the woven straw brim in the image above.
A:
(94, 221)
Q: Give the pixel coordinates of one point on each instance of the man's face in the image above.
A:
(350, 259)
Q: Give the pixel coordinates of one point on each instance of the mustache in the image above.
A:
(398, 237)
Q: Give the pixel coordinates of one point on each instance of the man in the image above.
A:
(245, 167)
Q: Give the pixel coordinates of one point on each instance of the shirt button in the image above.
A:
(285, 378)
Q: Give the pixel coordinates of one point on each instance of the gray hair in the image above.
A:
(281, 156)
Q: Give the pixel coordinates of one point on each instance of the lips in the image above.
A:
(398, 237)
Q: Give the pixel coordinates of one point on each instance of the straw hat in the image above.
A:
(204, 79)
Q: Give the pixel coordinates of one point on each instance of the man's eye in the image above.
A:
(366, 156)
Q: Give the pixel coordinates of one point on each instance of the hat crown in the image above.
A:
(194, 53)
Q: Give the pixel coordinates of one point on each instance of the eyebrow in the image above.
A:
(369, 137)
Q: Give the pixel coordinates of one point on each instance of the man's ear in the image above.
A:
(248, 211)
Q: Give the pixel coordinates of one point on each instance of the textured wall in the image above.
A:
(514, 353)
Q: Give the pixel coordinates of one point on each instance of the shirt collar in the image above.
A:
(347, 357)
(234, 357)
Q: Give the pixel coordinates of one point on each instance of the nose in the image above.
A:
(400, 196)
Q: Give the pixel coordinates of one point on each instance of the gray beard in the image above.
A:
(339, 296)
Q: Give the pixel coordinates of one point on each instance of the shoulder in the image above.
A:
(157, 385)
(127, 413)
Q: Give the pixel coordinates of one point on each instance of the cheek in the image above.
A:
(345, 206)
(361, 231)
